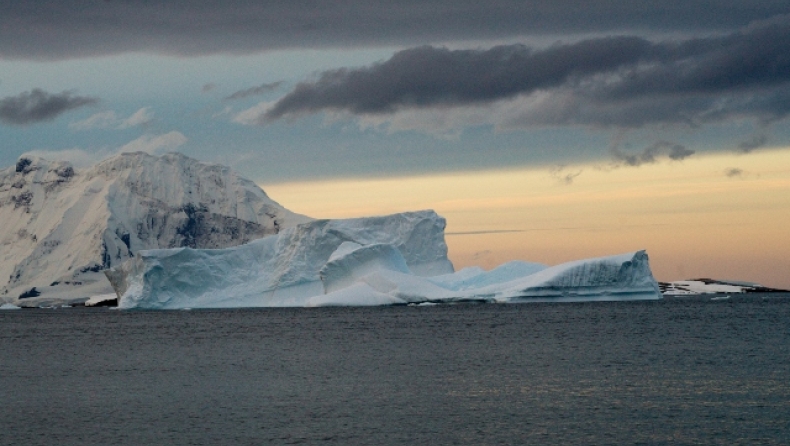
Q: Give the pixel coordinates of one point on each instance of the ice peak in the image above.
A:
(63, 226)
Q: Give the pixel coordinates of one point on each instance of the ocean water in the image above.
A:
(685, 370)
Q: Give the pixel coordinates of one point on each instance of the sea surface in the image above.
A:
(684, 370)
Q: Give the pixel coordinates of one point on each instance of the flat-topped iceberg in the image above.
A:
(395, 259)
(278, 270)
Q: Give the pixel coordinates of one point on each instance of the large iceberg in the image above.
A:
(279, 270)
(61, 226)
(396, 259)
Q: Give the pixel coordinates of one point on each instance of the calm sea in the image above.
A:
(679, 371)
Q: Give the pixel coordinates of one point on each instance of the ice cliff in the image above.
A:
(396, 259)
(62, 226)
(279, 270)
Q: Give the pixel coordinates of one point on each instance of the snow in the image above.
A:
(284, 269)
(681, 287)
(63, 226)
(352, 261)
(475, 277)
(97, 300)
(619, 277)
(389, 260)
(356, 295)
(173, 233)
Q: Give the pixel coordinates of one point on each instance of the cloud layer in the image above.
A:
(625, 81)
(53, 29)
(37, 105)
(109, 119)
(650, 154)
(253, 91)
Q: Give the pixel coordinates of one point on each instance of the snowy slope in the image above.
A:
(61, 227)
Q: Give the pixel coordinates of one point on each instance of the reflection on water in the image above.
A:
(679, 371)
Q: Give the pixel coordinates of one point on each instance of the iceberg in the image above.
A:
(619, 277)
(61, 226)
(390, 260)
(278, 270)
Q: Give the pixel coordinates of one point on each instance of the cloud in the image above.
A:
(253, 115)
(108, 119)
(481, 254)
(155, 144)
(208, 87)
(623, 82)
(76, 156)
(99, 120)
(755, 142)
(650, 154)
(428, 76)
(138, 118)
(53, 29)
(38, 106)
(733, 172)
(254, 91)
(560, 174)
(482, 232)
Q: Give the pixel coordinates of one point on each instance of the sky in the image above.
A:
(542, 130)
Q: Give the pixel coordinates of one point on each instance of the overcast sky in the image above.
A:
(293, 91)
(387, 88)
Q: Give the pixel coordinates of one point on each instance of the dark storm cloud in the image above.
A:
(613, 81)
(56, 29)
(427, 76)
(650, 154)
(755, 142)
(37, 105)
(254, 91)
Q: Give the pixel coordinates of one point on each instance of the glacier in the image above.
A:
(386, 260)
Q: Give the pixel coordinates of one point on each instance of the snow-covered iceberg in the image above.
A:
(619, 277)
(61, 226)
(396, 259)
(278, 270)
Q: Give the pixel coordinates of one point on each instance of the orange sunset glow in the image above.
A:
(696, 218)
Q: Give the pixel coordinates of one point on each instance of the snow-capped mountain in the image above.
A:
(62, 227)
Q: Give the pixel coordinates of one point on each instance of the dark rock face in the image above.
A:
(22, 164)
(33, 292)
(204, 229)
(22, 200)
